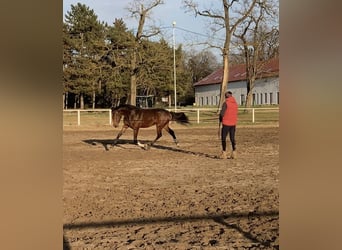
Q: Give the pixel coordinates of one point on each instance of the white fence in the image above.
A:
(197, 115)
(78, 111)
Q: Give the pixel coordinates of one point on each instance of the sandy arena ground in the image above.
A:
(169, 197)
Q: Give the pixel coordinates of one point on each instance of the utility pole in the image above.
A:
(174, 63)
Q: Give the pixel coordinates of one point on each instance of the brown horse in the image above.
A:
(136, 118)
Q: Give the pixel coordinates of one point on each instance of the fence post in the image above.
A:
(110, 117)
(198, 116)
(253, 118)
(78, 117)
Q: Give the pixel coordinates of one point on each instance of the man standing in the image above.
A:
(228, 118)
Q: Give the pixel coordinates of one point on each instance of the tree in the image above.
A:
(155, 64)
(87, 42)
(197, 66)
(227, 19)
(67, 61)
(259, 43)
(201, 64)
(141, 10)
(116, 63)
(107, 65)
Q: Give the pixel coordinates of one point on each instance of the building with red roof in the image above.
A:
(264, 92)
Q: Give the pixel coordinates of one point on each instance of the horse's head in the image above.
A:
(119, 111)
(116, 116)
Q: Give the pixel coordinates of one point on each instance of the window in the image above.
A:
(257, 98)
(277, 97)
(242, 99)
(260, 98)
(265, 98)
(271, 98)
(254, 100)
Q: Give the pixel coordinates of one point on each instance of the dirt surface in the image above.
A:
(170, 197)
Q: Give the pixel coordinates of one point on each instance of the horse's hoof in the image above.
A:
(147, 146)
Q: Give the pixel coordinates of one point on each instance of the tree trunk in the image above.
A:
(94, 97)
(66, 100)
(133, 93)
(248, 103)
(63, 100)
(249, 92)
(250, 87)
(81, 101)
(225, 77)
(75, 101)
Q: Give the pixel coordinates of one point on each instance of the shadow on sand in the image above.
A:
(107, 144)
(66, 245)
(218, 218)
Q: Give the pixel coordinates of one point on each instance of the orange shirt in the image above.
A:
(230, 115)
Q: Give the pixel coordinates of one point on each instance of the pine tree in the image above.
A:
(87, 43)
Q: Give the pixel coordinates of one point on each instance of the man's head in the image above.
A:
(228, 94)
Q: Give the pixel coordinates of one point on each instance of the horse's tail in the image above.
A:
(180, 117)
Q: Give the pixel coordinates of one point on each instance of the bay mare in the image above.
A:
(136, 118)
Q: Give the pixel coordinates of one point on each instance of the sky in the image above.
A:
(188, 28)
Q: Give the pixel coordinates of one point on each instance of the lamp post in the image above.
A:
(174, 63)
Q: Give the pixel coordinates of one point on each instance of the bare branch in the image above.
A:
(157, 32)
(207, 13)
(244, 16)
(192, 6)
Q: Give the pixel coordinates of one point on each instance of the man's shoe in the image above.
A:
(233, 155)
(223, 155)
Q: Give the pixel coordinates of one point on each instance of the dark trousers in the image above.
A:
(224, 132)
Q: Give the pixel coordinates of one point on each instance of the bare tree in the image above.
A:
(232, 14)
(140, 9)
(259, 43)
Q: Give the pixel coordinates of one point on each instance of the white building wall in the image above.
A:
(207, 95)
(265, 91)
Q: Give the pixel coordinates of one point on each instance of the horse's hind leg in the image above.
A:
(172, 133)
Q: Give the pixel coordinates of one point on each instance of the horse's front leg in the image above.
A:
(135, 135)
(135, 140)
(159, 134)
(123, 129)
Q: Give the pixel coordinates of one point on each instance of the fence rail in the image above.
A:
(98, 117)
